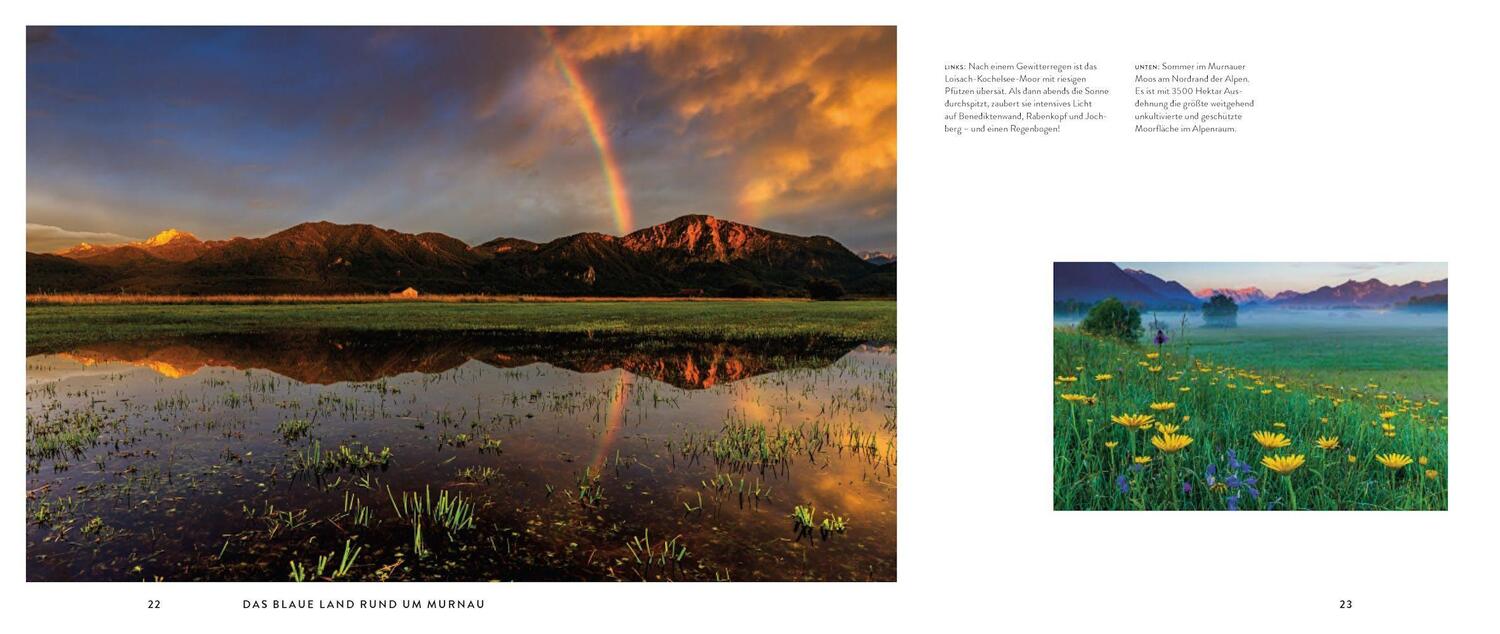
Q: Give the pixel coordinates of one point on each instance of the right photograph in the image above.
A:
(1250, 386)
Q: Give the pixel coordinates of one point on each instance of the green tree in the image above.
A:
(1221, 311)
(1114, 320)
(824, 290)
(744, 289)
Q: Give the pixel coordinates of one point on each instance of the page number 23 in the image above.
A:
(1345, 604)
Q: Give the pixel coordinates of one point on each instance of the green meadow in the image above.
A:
(1318, 413)
(50, 327)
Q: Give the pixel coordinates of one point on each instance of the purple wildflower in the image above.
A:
(1122, 484)
(1236, 465)
(1187, 487)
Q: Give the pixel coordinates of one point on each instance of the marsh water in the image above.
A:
(438, 456)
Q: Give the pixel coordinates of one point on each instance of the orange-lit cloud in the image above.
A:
(42, 238)
(807, 115)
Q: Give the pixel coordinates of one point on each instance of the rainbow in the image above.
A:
(614, 422)
(619, 199)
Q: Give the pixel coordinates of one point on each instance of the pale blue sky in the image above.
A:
(1274, 277)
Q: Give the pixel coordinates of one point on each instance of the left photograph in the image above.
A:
(461, 304)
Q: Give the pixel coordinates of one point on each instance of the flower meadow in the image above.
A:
(1142, 427)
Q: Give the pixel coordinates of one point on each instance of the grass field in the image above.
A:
(1412, 360)
(57, 326)
(1212, 422)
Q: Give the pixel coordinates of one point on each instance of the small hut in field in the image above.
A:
(409, 293)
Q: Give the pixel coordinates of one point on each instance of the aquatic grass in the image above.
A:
(353, 457)
(741, 444)
(833, 524)
(321, 570)
(293, 429)
(166, 467)
(804, 522)
(802, 519)
(748, 491)
(356, 510)
(656, 559)
(590, 490)
(451, 511)
(70, 434)
(481, 475)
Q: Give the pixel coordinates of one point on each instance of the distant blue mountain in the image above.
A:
(1090, 282)
(1371, 293)
(1172, 291)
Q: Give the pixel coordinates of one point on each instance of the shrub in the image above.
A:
(744, 289)
(824, 290)
(1220, 311)
(1114, 320)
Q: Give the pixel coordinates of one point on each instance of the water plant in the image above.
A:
(293, 429)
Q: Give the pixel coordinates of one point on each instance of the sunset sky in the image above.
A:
(474, 132)
(1274, 277)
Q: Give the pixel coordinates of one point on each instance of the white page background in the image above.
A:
(1373, 139)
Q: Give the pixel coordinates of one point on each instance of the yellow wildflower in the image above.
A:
(1134, 421)
(1270, 440)
(1393, 460)
(1283, 465)
(1171, 443)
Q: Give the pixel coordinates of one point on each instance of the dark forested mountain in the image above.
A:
(1169, 290)
(1088, 282)
(692, 254)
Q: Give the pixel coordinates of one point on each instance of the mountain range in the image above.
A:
(695, 254)
(1088, 282)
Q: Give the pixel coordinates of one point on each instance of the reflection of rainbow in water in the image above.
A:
(614, 421)
(619, 200)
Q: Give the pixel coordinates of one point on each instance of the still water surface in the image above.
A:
(248, 457)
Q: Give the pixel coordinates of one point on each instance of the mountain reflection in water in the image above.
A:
(239, 457)
(326, 357)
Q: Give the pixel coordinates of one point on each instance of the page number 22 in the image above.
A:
(1345, 604)
(153, 604)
